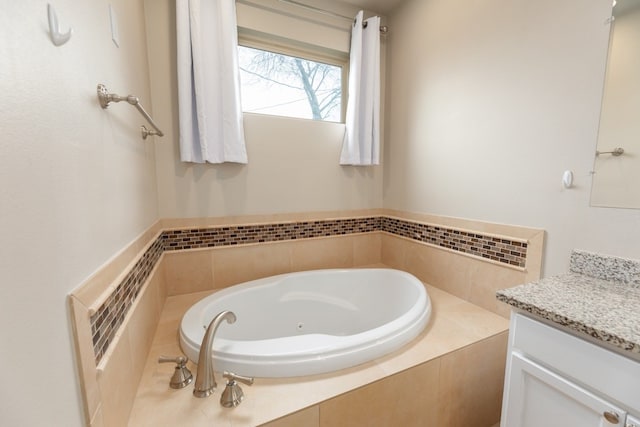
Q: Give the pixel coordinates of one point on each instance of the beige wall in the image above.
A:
(78, 185)
(489, 102)
(293, 164)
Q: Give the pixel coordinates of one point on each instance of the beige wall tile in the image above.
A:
(471, 279)
(142, 323)
(188, 271)
(393, 251)
(367, 249)
(135, 343)
(471, 383)
(311, 254)
(159, 374)
(405, 399)
(443, 269)
(171, 316)
(309, 417)
(535, 253)
(118, 383)
(472, 321)
(85, 357)
(235, 265)
(162, 283)
(98, 419)
(485, 279)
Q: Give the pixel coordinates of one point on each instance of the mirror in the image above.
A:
(616, 179)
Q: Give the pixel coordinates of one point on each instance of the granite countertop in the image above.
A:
(599, 296)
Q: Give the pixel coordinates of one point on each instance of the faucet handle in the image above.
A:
(181, 376)
(233, 377)
(179, 360)
(232, 394)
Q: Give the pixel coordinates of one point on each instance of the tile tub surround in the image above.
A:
(177, 272)
(108, 316)
(450, 375)
(599, 297)
(499, 249)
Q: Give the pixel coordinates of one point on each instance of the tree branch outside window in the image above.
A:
(285, 85)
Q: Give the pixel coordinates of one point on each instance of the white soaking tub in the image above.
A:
(309, 322)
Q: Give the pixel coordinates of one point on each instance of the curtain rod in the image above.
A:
(383, 28)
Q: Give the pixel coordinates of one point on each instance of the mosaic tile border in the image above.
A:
(497, 249)
(261, 233)
(108, 318)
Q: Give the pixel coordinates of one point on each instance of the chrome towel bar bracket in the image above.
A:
(105, 98)
(619, 151)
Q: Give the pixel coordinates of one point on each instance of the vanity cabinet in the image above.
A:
(555, 379)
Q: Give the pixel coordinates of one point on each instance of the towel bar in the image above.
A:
(619, 151)
(106, 98)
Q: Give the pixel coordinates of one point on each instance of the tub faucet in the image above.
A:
(205, 380)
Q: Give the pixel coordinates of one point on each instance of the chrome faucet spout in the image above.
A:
(205, 380)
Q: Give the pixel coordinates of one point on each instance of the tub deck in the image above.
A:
(455, 325)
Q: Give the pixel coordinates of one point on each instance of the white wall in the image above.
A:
(78, 184)
(488, 103)
(293, 164)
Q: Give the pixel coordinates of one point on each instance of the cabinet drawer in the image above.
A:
(540, 397)
(596, 368)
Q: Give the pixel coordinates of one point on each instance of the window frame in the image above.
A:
(280, 45)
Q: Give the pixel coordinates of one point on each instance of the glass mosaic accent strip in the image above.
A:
(494, 248)
(106, 321)
(261, 233)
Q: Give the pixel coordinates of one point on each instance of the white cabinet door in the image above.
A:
(539, 397)
(632, 421)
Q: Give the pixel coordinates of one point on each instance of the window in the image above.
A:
(283, 85)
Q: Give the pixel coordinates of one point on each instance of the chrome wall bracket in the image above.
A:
(105, 98)
(618, 151)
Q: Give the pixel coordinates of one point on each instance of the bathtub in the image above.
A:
(309, 322)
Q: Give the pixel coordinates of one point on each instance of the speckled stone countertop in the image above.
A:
(600, 297)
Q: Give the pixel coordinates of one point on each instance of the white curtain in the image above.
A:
(210, 112)
(361, 144)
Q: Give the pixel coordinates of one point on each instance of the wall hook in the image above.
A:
(57, 37)
(567, 179)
